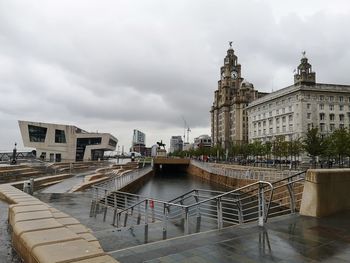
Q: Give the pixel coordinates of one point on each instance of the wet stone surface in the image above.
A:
(290, 238)
(7, 253)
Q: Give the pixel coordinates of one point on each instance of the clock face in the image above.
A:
(234, 74)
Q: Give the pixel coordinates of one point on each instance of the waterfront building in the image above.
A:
(229, 121)
(202, 141)
(290, 112)
(176, 144)
(58, 142)
(138, 143)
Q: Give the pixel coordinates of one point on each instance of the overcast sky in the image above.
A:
(114, 66)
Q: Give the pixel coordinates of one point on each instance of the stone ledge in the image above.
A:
(326, 191)
(44, 234)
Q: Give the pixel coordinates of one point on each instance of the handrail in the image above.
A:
(256, 201)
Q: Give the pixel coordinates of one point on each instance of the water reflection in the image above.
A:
(166, 186)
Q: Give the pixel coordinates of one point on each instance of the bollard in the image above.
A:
(28, 186)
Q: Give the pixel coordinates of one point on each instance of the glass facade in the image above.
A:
(60, 136)
(112, 143)
(81, 145)
(36, 133)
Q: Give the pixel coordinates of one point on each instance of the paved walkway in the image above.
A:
(290, 238)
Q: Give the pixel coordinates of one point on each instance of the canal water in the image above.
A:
(168, 185)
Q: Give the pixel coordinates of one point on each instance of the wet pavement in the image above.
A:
(291, 238)
(7, 253)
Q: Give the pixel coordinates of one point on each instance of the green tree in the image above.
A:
(340, 142)
(313, 144)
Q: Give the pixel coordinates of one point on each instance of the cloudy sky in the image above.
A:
(113, 66)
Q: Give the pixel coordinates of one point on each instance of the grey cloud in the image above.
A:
(145, 64)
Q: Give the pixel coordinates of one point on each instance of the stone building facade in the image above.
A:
(229, 119)
(291, 111)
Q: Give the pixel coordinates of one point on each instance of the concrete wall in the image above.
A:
(41, 233)
(326, 191)
(219, 179)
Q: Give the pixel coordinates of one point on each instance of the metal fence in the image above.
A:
(255, 202)
(262, 174)
(119, 180)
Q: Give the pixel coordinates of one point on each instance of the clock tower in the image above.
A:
(228, 115)
(304, 74)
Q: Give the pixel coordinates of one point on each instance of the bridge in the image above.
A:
(164, 163)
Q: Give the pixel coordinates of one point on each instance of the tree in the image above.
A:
(340, 139)
(295, 149)
(313, 144)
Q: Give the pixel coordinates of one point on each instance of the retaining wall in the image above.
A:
(219, 179)
(326, 191)
(41, 233)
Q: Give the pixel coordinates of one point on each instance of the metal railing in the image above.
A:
(120, 180)
(252, 173)
(201, 209)
(221, 208)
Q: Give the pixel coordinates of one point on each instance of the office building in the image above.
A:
(58, 142)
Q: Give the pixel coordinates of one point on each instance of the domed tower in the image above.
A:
(304, 74)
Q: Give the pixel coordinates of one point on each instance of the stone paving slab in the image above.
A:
(291, 238)
(66, 251)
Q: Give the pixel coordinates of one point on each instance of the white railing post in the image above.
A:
(261, 211)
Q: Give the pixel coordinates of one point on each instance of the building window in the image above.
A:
(284, 128)
(277, 112)
(36, 133)
(331, 107)
(322, 116)
(331, 127)
(270, 122)
(290, 118)
(283, 110)
(112, 143)
(321, 106)
(270, 131)
(290, 108)
(341, 98)
(322, 127)
(331, 98)
(277, 120)
(321, 97)
(341, 126)
(341, 117)
(308, 106)
(309, 126)
(290, 127)
(270, 113)
(341, 107)
(284, 119)
(278, 129)
(60, 136)
(331, 117)
(308, 116)
(264, 123)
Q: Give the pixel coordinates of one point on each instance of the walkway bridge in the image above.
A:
(200, 210)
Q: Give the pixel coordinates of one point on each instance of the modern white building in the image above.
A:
(291, 111)
(58, 142)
